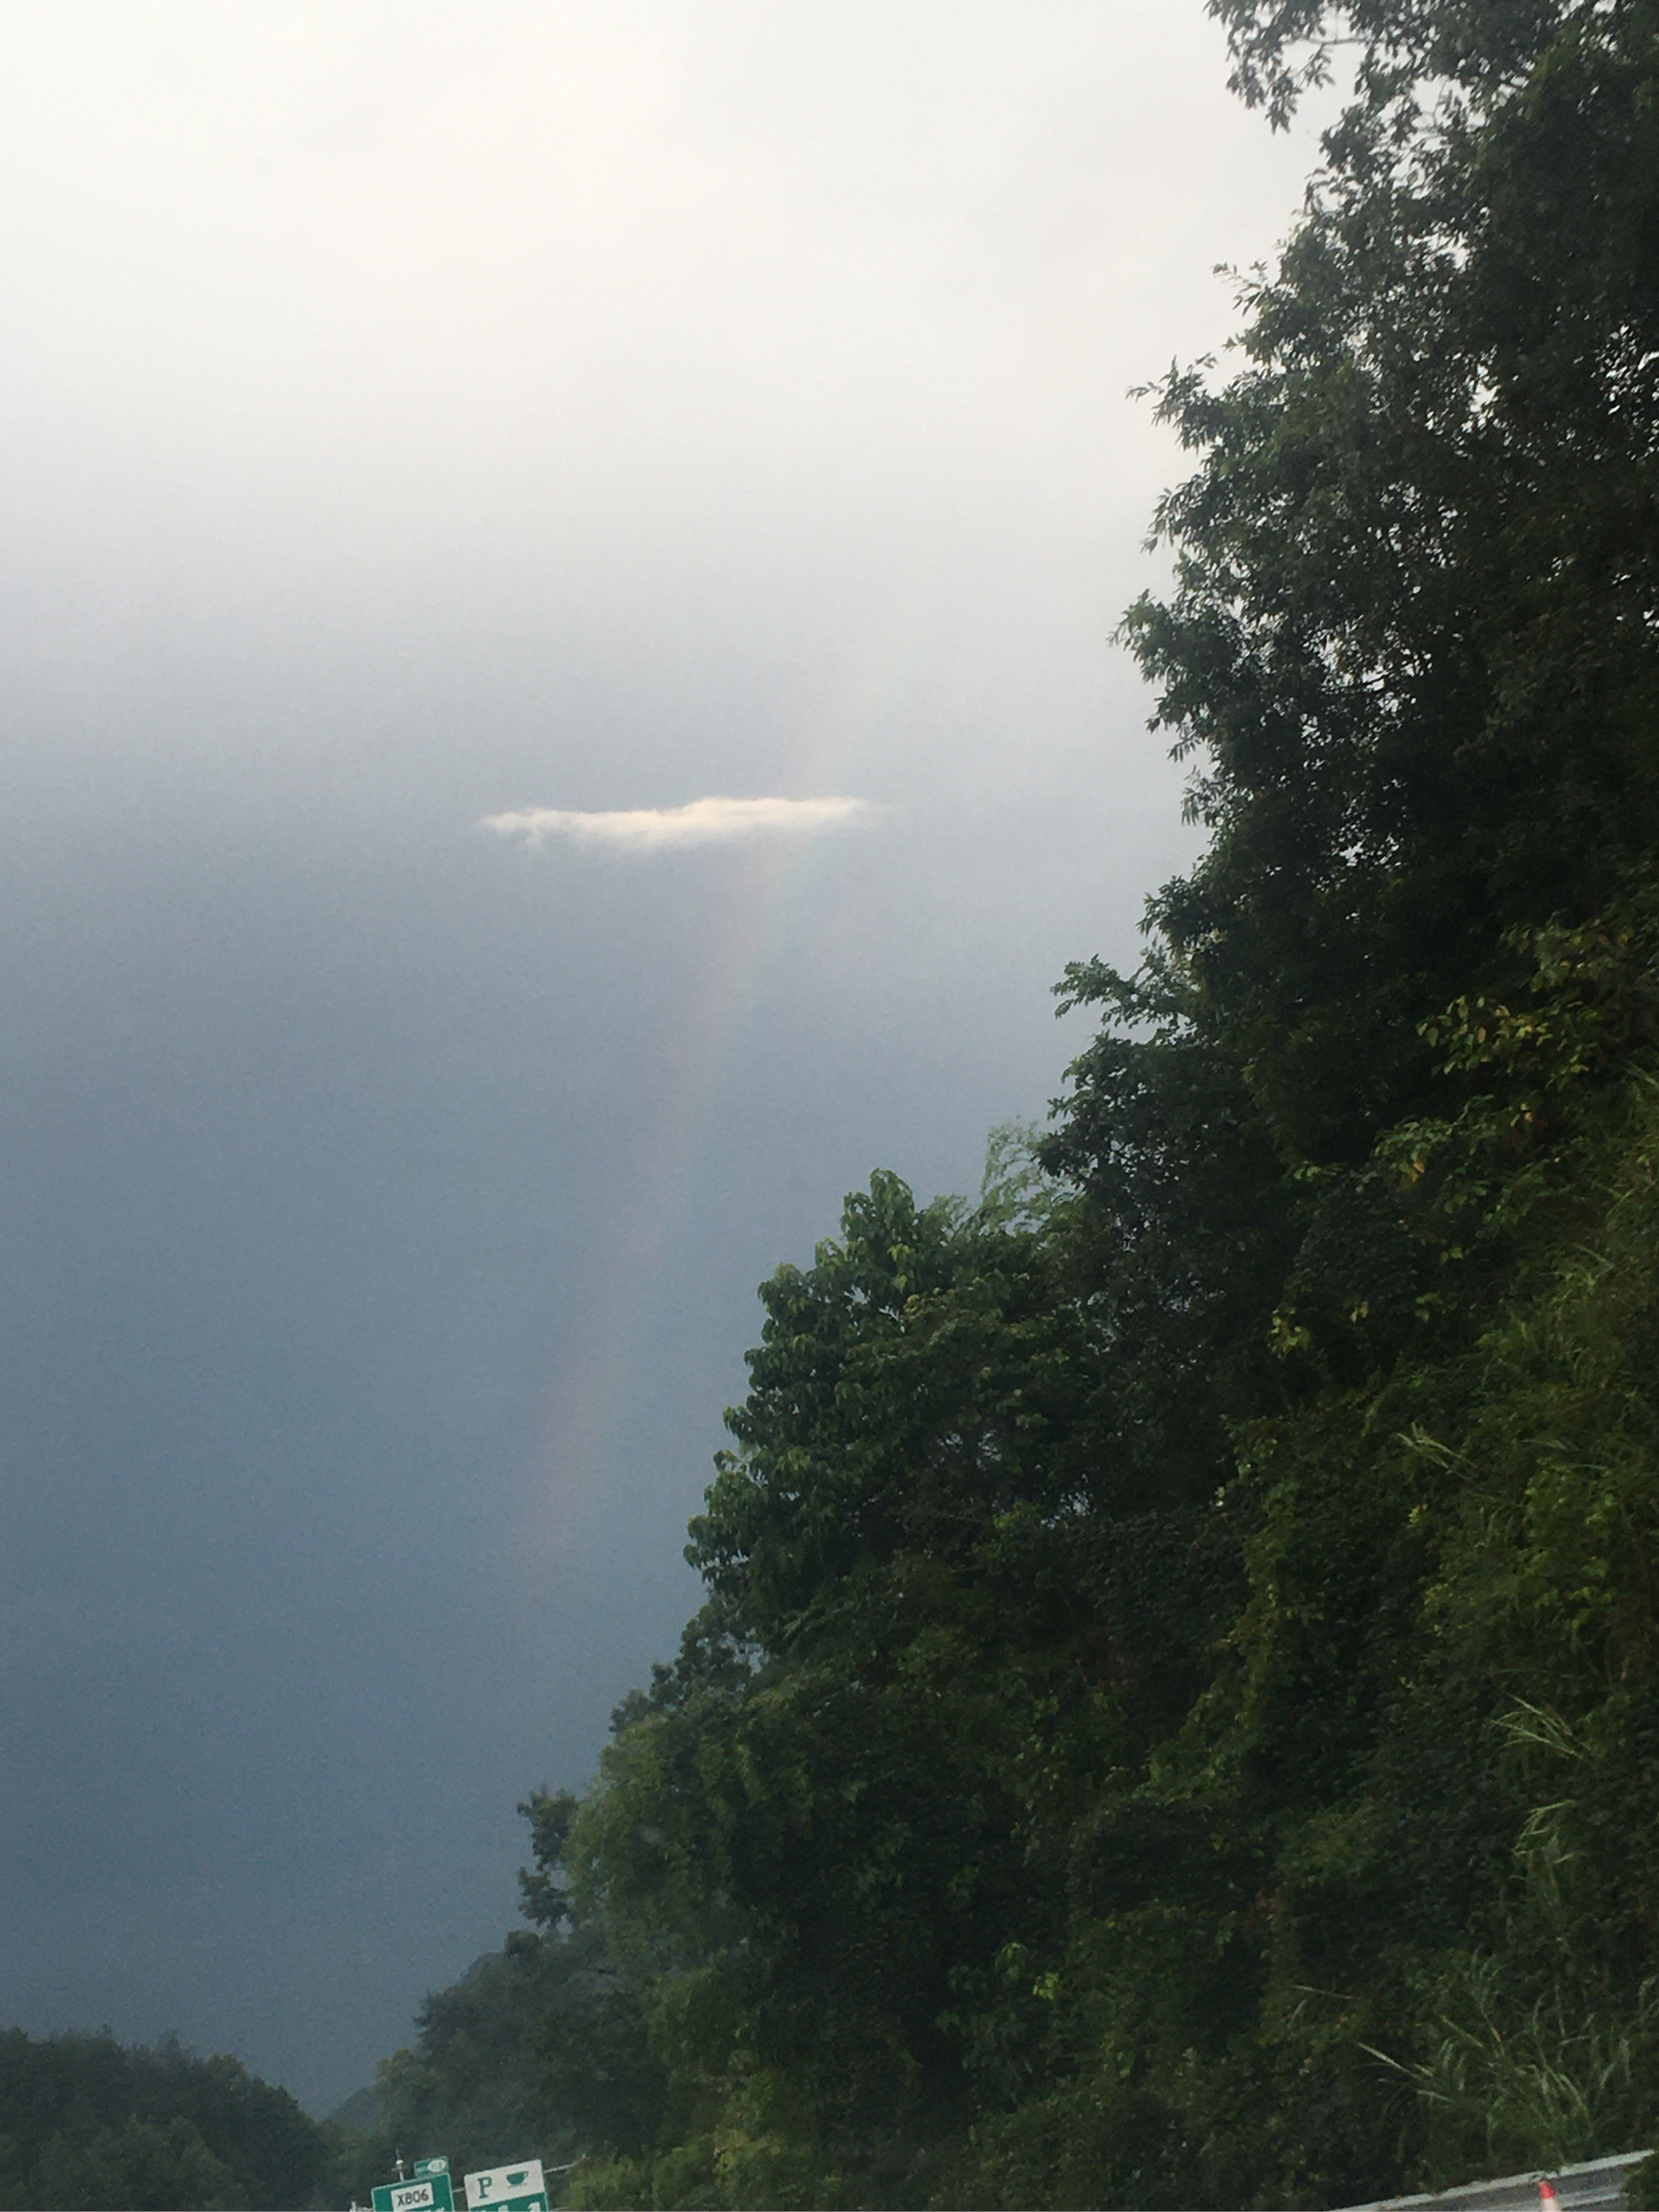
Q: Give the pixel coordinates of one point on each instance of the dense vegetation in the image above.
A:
(85, 2122)
(1175, 1715)
(470, 2090)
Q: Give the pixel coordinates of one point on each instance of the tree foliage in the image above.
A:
(469, 2086)
(86, 2122)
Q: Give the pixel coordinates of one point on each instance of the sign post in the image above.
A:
(520, 2187)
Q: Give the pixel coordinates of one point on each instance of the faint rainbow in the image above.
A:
(584, 1409)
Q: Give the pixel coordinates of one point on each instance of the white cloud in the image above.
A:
(704, 821)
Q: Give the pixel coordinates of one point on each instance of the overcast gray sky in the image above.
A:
(425, 425)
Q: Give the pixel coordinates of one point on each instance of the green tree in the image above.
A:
(146, 2166)
(827, 1847)
(471, 2087)
(90, 2122)
(1412, 647)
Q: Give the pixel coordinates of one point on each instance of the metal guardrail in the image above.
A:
(1594, 2186)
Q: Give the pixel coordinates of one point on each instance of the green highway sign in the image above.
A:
(429, 2193)
(509, 2189)
(426, 2167)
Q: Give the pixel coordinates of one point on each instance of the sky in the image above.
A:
(559, 710)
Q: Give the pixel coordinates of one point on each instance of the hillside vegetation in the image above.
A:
(1174, 1718)
(87, 2122)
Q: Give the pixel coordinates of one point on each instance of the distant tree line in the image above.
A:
(87, 2123)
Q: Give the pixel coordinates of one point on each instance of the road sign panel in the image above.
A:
(431, 2194)
(507, 2188)
(426, 2167)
